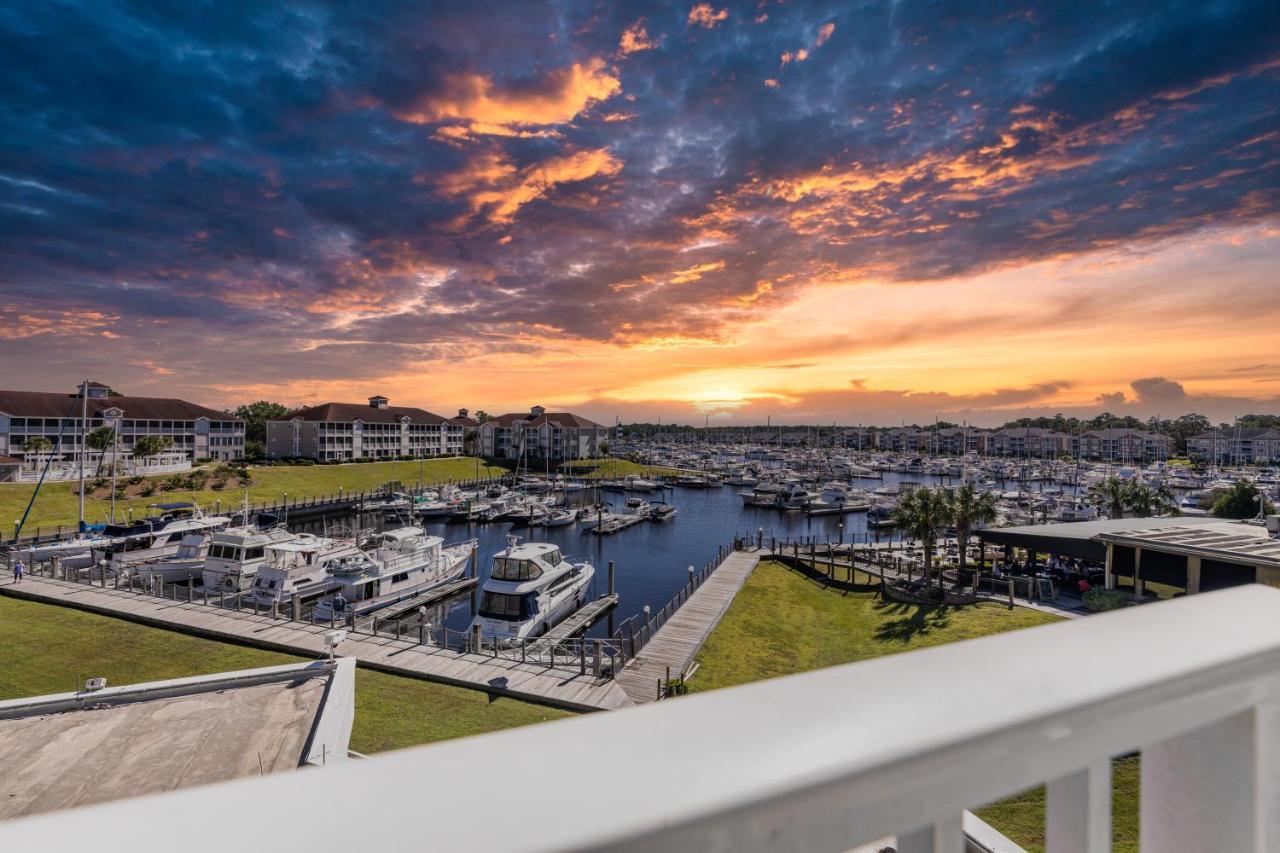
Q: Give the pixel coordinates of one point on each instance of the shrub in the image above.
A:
(218, 484)
(172, 483)
(135, 479)
(1100, 599)
(148, 490)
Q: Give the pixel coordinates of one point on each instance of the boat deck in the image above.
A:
(527, 681)
(675, 644)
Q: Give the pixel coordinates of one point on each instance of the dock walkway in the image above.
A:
(580, 620)
(401, 657)
(675, 644)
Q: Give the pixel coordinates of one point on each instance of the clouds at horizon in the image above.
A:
(325, 195)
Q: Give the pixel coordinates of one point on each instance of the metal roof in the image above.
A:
(1232, 541)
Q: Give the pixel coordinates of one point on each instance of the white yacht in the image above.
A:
(531, 587)
(402, 563)
(298, 565)
(155, 537)
(182, 566)
(236, 554)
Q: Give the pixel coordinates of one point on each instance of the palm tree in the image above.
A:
(921, 513)
(100, 438)
(1111, 495)
(36, 444)
(968, 508)
(1145, 501)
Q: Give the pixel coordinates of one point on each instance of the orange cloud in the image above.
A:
(772, 83)
(484, 108)
(497, 188)
(703, 15)
(695, 273)
(635, 38)
(824, 33)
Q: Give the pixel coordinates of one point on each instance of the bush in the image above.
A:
(1101, 599)
(136, 479)
(172, 483)
(148, 490)
(218, 484)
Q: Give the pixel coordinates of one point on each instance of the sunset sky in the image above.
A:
(843, 212)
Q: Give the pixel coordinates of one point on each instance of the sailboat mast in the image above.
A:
(84, 416)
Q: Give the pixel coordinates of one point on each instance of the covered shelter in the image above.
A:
(1194, 553)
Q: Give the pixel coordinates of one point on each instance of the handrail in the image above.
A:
(896, 746)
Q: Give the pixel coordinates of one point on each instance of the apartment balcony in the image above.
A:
(897, 747)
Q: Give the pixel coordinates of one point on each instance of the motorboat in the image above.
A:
(182, 566)
(298, 566)
(401, 564)
(235, 555)
(661, 512)
(560, 518)
(154, 539)
(531, 587)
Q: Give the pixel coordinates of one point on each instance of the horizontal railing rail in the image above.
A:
(899, 746)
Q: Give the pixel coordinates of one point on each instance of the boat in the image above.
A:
(662, 512)
(235, 555)
(531, 587)
(561, 518)
(764, 494)
(184, 565)
(149, 539)
(299, 567)
(689, 481)
(402, 564)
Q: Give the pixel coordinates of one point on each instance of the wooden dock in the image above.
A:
(614, 522)
(513, 678)
(433, 596)
(675, 644)
(580, 620)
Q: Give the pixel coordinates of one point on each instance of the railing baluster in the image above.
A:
(1078, 811)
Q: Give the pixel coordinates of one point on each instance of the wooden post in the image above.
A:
(1010, 593)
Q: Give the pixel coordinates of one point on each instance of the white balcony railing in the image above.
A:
(898, 746)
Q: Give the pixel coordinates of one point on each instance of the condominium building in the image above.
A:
(196, 432)
(1242, 446)
(1034, 442)
(346, 431)
(1121, 444)
(539, 434)
(957, 441)
(905, 440)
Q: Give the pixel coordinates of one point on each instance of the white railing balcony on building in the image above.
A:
(899, 746)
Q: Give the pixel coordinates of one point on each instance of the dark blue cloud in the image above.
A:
(262, 169)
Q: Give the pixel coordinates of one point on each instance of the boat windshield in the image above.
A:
(514, 608)
(508, 569)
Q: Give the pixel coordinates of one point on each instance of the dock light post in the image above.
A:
(691, 578)
(841, 540)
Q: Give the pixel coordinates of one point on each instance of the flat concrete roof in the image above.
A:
(75, 749)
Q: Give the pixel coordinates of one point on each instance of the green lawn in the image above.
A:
(57, 503)
(49, 649)
(783, 622)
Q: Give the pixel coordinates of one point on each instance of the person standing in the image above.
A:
(18, 570)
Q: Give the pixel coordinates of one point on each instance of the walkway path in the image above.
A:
(401, 657)
(675, 643)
